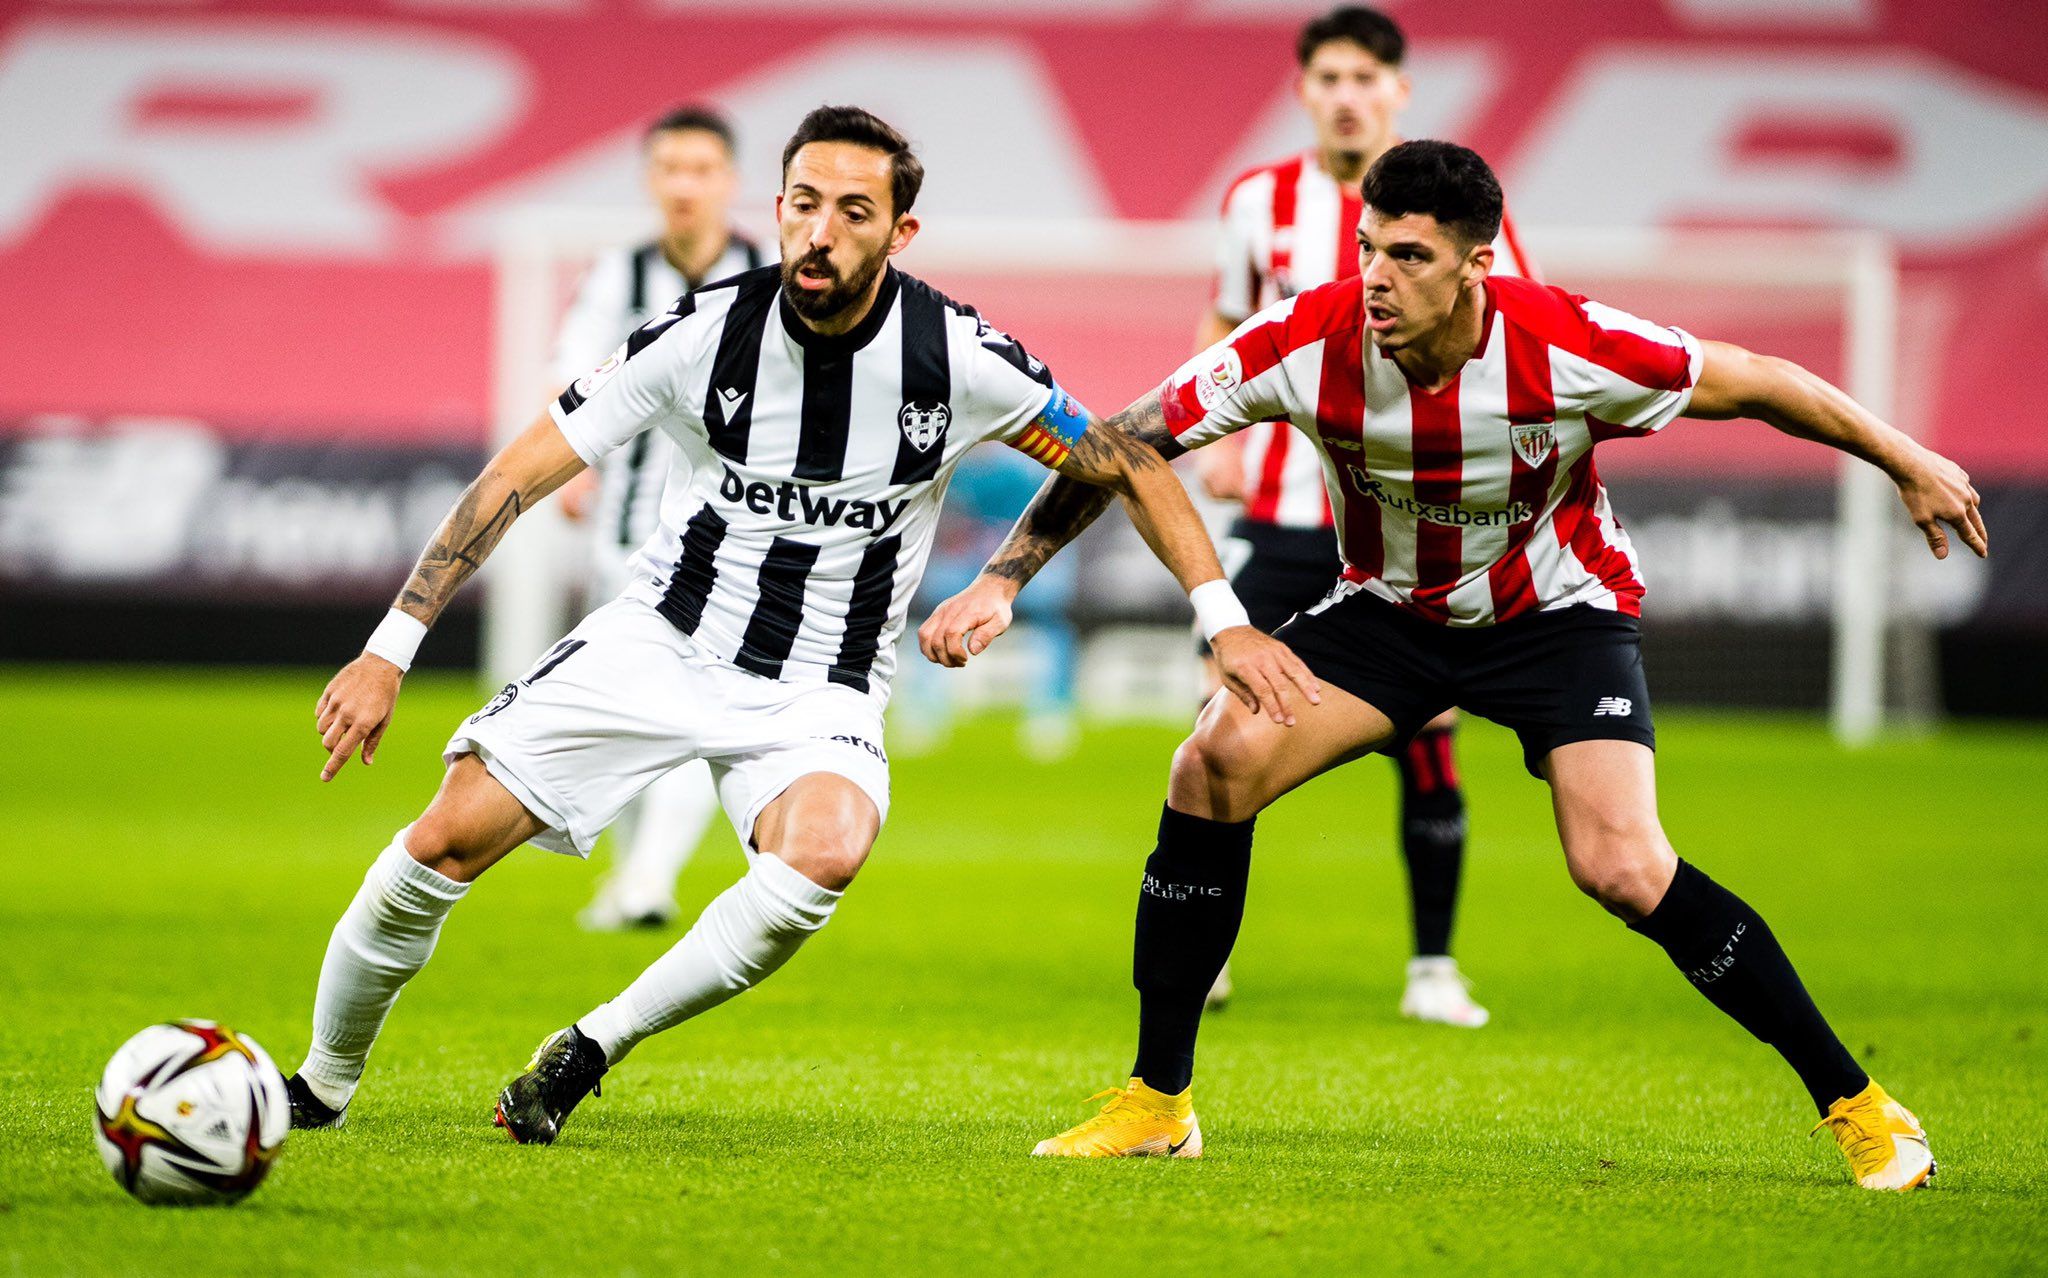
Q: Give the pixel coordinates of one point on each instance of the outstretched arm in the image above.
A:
(356, 706)
(1739, 383)
(1125, 456)
(1065, 505)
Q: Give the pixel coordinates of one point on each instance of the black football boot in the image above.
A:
(564, 1070)
(308, 1110)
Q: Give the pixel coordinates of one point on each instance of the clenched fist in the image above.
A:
(965, 625)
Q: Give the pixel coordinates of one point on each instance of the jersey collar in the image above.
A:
(852, 339)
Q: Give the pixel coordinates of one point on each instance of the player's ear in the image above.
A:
(903, 233)
(778, 208)
(1478, 263)
(1402, 86)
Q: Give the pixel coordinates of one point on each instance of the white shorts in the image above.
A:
(626, 697)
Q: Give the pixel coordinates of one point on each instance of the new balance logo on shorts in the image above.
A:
(1614, 705)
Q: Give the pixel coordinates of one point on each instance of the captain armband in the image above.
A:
(1052, 434)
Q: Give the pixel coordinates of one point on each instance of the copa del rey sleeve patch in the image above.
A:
(1218, 378)
(1052, 434)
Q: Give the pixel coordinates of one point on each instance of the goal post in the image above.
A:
(1113, 304)
(530, 580)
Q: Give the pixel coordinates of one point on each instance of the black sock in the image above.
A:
(1432, 837)
(1189, 908)
(1727, 951)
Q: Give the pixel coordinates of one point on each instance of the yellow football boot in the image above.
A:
(1884, 1142)
(1136, 1122)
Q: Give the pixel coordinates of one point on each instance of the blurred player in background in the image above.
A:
(692, 178)
(1288, 227)
(989, 490)
(1484, 568)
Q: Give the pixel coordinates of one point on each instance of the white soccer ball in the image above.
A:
(190, 1112)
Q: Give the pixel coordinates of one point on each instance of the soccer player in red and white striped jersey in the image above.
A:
(1287, 227)
(1456, 415)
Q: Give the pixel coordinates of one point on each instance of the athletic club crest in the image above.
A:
(1533, 441)
(924, 424)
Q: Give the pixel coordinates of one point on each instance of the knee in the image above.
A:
(831, 863)
(1625, 865)
(825, 837)
(441, 844)
(1215, 776)
(1191, 766)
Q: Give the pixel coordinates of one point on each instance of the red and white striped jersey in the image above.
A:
(1288, 227)
(1477, 502)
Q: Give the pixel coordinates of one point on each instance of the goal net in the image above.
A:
(1779, 574)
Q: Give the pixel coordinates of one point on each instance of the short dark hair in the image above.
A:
(1449, 182)
(696, 119)
(1370, 29)
(862, 128)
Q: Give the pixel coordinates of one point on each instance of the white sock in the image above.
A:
(749, 931)
(670, 819)
(385, 935)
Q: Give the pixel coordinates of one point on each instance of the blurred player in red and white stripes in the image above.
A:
(1287, 227)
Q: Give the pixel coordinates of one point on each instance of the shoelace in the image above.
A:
(1120, 1098)
(1864, 1139)
(558, 1073)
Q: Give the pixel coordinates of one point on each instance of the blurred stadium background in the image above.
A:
(255, 255)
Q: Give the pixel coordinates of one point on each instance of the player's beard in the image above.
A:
(822, 307)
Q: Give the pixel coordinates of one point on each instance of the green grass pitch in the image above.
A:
(169, 852)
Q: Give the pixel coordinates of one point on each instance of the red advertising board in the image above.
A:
(272, 216)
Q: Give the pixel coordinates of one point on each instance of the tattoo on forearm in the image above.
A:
(1135, 439)
(1066, 505)
(460, 546)
(1057, 515)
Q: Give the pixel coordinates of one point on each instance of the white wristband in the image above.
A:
(1217, 608)
(397, 638)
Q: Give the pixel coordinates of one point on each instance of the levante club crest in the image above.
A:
(924, 424)
(1533, 441)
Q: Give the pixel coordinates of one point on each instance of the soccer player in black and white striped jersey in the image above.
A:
(692, 179)
(820, 407)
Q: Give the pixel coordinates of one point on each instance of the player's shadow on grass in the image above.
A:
(1550, 1161)
(802, 1134)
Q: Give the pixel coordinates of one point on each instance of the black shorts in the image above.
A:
(1575, 674)
(1285, 571)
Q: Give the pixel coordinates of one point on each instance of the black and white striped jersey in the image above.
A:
(623, 290)
(795, 528)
